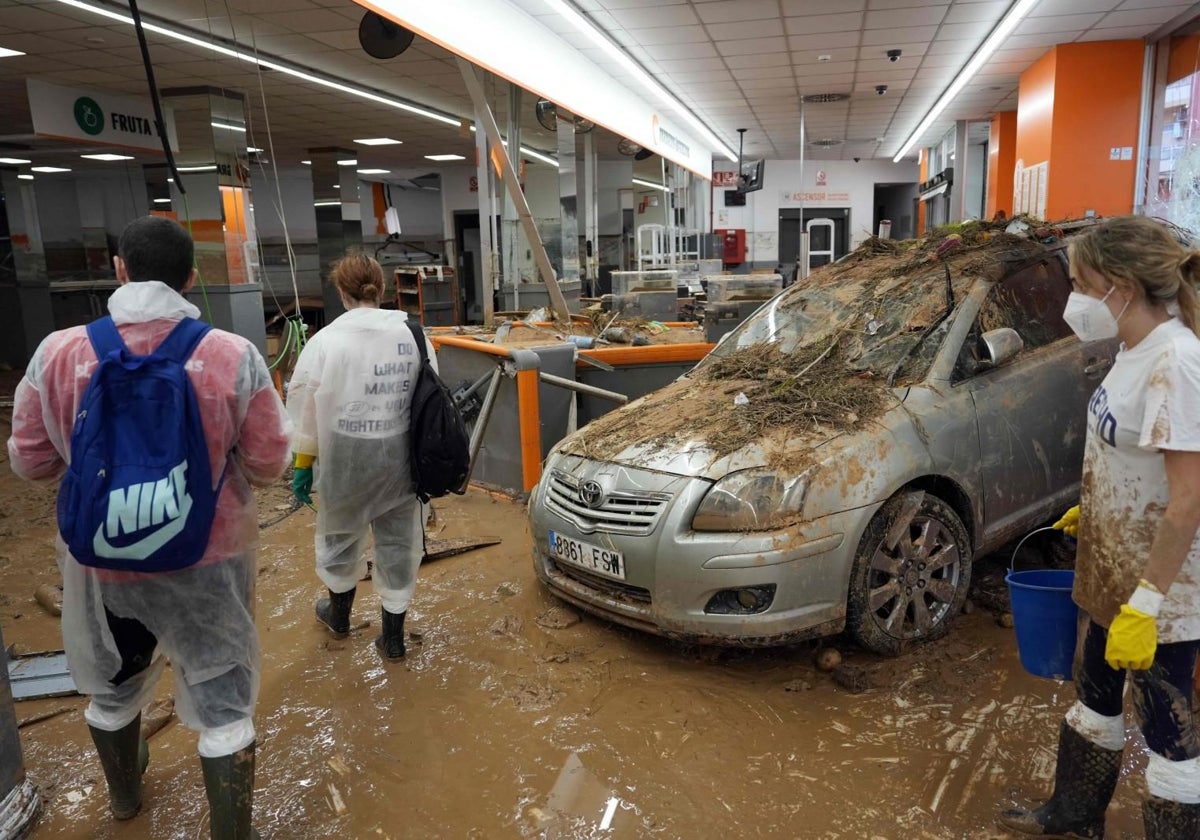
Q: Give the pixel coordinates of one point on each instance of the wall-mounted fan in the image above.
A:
(633, 150)
(547, 117)
(380, 38)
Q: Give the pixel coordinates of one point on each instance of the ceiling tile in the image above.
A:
(1149, 18)
(829, 40)
(647, 16)
(753, 45)
(1118, 34)
(898, 18)
(990, 11)
(744, 30)
(821, 7)
(669, 35)
(775, 59)
(902, 35)
(1050, 8)
(737, 10)
(817, 24)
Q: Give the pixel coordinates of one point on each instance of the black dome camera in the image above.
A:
(893, 55)
(856, 160)
(881, 89)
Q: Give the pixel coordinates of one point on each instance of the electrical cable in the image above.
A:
(159, 124)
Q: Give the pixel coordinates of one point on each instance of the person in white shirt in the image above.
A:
(1137, 571)
(349, 398)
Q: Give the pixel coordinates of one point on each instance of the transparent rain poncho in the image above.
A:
(201, 616)
(349, 399)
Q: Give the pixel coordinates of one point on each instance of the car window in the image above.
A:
(1030, 301)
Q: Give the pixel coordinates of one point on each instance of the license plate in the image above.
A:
(602, 561)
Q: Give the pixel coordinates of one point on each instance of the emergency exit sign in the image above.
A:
(95, 116)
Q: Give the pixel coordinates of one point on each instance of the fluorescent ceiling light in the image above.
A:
(15, 161)
(107, 157)
(210, 167)
(5, 52)
(348, 162)
(253, 150)
(444, 157)
(307, 162)
(24, 177)
(253, 58)
(530, 153)
(378, 141)
(998, 35)
(48, 169)
(229, 127)
(373, 171)
(162, 201)
(651, 184)
(601, 40)
(327, 204)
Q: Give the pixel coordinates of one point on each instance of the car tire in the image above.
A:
(909, 592)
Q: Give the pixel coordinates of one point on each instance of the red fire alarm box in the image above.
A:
(734, 240)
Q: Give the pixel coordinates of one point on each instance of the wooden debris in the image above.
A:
(335, 800)
(156, 716)
(53, 713)
(49, 597)
(437, 549)
(338, 765)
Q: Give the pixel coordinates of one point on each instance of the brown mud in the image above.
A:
(514, 717)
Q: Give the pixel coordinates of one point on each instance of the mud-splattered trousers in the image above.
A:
(1162, 698)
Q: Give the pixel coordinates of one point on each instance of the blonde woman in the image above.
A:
(1137, 572)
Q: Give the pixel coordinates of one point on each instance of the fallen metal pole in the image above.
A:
(590, 390)
(485, 414)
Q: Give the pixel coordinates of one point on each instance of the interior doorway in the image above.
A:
(789, 237)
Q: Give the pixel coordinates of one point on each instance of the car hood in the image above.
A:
(666, 432)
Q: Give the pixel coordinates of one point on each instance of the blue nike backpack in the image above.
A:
(138, 495)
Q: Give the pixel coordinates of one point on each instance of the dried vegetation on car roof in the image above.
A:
(759, 392)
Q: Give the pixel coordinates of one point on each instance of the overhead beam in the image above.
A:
(512, 184)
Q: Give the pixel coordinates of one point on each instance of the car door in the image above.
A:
(1031, 411)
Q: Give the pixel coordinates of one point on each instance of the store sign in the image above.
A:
(95, 116)
(725, 178)
(814, 197)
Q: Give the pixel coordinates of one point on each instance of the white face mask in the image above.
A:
(1090, 317)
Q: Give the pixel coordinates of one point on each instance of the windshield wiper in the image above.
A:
(937, 322)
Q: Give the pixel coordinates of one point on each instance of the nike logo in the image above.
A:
(161, 505)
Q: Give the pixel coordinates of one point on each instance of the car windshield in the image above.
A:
(877, 306)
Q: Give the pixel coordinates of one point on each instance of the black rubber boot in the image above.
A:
(391, 641)
(1167, 820)
(229, 784)
(124, 755)
(334, 612)
(1084, 781)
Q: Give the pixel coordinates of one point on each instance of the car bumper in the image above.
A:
(673, 573)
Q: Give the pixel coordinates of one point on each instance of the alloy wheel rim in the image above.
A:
(912, 586)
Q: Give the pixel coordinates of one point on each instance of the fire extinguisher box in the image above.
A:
(734, 239)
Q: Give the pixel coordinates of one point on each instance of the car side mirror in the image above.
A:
(998, 346)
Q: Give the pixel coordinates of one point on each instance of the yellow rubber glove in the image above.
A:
(1133, 636)
(1069, 524)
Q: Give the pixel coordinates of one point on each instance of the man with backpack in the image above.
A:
(157, 425)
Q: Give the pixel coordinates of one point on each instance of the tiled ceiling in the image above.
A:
(736, 63)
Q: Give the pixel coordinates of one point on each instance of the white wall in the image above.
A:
(846, 184)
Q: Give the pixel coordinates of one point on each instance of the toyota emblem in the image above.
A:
(591, 494)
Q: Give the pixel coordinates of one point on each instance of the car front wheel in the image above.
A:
(910, 575)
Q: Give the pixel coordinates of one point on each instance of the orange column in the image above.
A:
(530, 424)
(1002, 155)
(1077, 104)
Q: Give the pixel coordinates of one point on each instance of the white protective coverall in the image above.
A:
(114, 624)
(349, 399)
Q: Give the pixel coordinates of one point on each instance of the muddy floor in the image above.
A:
(515, 718)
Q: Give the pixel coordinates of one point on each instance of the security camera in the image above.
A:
(881, 89)
(856, 160)
(893, 55)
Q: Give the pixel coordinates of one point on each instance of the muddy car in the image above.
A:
(838, 460)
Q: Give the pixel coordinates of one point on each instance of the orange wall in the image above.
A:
(1183, 58)
(1035, 110)
(1075, 104)
(1002, 156)
(1087, 126)
(923, 160)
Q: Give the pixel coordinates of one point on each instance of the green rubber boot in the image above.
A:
(1084, 781)
(1167, 820)
(124, 755)
(229, 784)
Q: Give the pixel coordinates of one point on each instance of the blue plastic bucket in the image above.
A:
(1046, 620)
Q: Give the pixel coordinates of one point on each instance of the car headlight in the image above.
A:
(751, 500)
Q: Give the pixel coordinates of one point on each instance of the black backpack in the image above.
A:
(441, 447)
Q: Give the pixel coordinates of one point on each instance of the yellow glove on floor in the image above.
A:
(1069, 524)
(1133, 636)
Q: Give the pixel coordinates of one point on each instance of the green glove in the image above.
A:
(1133, 636)
(302, 480)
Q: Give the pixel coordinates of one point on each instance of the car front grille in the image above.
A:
(621, 512)
(611, 588)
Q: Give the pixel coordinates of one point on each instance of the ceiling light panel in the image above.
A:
(378, 141)
(107, 157)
